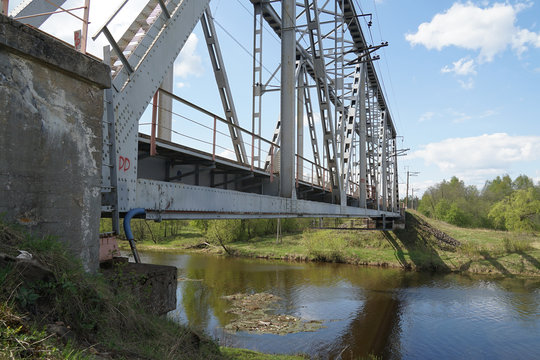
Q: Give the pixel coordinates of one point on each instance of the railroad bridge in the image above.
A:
(331, 151)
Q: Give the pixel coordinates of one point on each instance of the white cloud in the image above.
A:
(459, 117)
(487, 113)
(489, 29)
(467, 85)
(480, 155)
(426, 116)
(189, 62)
(463, 66)
(228, 154)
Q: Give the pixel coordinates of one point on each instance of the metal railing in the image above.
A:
(307, 171)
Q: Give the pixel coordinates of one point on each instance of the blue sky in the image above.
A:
(462, 79)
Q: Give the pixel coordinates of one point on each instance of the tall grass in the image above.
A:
(98, 315)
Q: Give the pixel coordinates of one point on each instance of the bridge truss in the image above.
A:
(326, 73)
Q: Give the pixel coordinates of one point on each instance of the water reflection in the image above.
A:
(389, 313)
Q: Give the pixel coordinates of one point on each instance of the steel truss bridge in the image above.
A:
(326, 69)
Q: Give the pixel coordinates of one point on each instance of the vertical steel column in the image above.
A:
(258, 86)
(395, 182)
(109, 171)
(300, 122)
(383, 155)
(323, 93)
(363, 124)
(165, 107)
(288, 62)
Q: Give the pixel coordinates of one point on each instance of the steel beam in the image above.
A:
(207, 23)
(288, 67)
(363, 139)
(180, 201)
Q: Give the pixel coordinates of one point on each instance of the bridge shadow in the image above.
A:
(529, 258)
(497, 265)
(398, 251)
(419, 245)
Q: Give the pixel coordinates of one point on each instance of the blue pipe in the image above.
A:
(127, 229)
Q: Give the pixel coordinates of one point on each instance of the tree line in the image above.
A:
(502, 204)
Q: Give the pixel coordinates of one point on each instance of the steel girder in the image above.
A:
(341, 86)
(151, 60)
(165, 200)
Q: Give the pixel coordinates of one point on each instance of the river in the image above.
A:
(390, 313)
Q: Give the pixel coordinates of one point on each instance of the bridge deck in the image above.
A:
(184, 183)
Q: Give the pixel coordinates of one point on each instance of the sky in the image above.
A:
(462, 79)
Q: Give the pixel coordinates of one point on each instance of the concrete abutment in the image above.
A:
(51, 101)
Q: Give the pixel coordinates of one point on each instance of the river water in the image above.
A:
(390, 313)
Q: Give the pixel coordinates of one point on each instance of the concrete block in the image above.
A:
(154, 285)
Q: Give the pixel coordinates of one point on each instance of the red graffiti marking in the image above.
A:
(124, 163)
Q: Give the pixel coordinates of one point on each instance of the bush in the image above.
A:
(325, 245)
(516, 245)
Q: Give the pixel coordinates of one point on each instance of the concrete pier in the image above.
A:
(51, 109)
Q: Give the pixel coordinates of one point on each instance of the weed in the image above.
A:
(97, 313)
(516, 245)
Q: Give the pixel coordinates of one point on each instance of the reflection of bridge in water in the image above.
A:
(326, 70)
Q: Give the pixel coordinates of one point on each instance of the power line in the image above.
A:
(387, 67)
(242, 46)
(264, 24)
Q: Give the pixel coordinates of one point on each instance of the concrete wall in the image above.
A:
(51, 108)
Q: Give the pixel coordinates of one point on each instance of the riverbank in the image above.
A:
(50, 308)
(422, 246)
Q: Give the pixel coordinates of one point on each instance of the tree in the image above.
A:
(498, 189)
(522, 182)
(456, 216)
(427, 205)
(518, 212)
(224, 232)
(441, 209)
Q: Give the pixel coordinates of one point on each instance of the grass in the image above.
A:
(97, 319)
(416, 247)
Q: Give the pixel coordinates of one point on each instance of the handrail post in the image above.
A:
(311, 174)
(324, 179)
(252, 150)
(214, 141)
(154, 123)
(5, 7)
(272, 163)
(297, 170)
(84, 36)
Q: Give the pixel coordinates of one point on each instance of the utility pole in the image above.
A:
(409, 173)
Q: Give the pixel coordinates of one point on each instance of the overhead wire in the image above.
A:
(387, 67)
(274, 36)
(242, 46)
